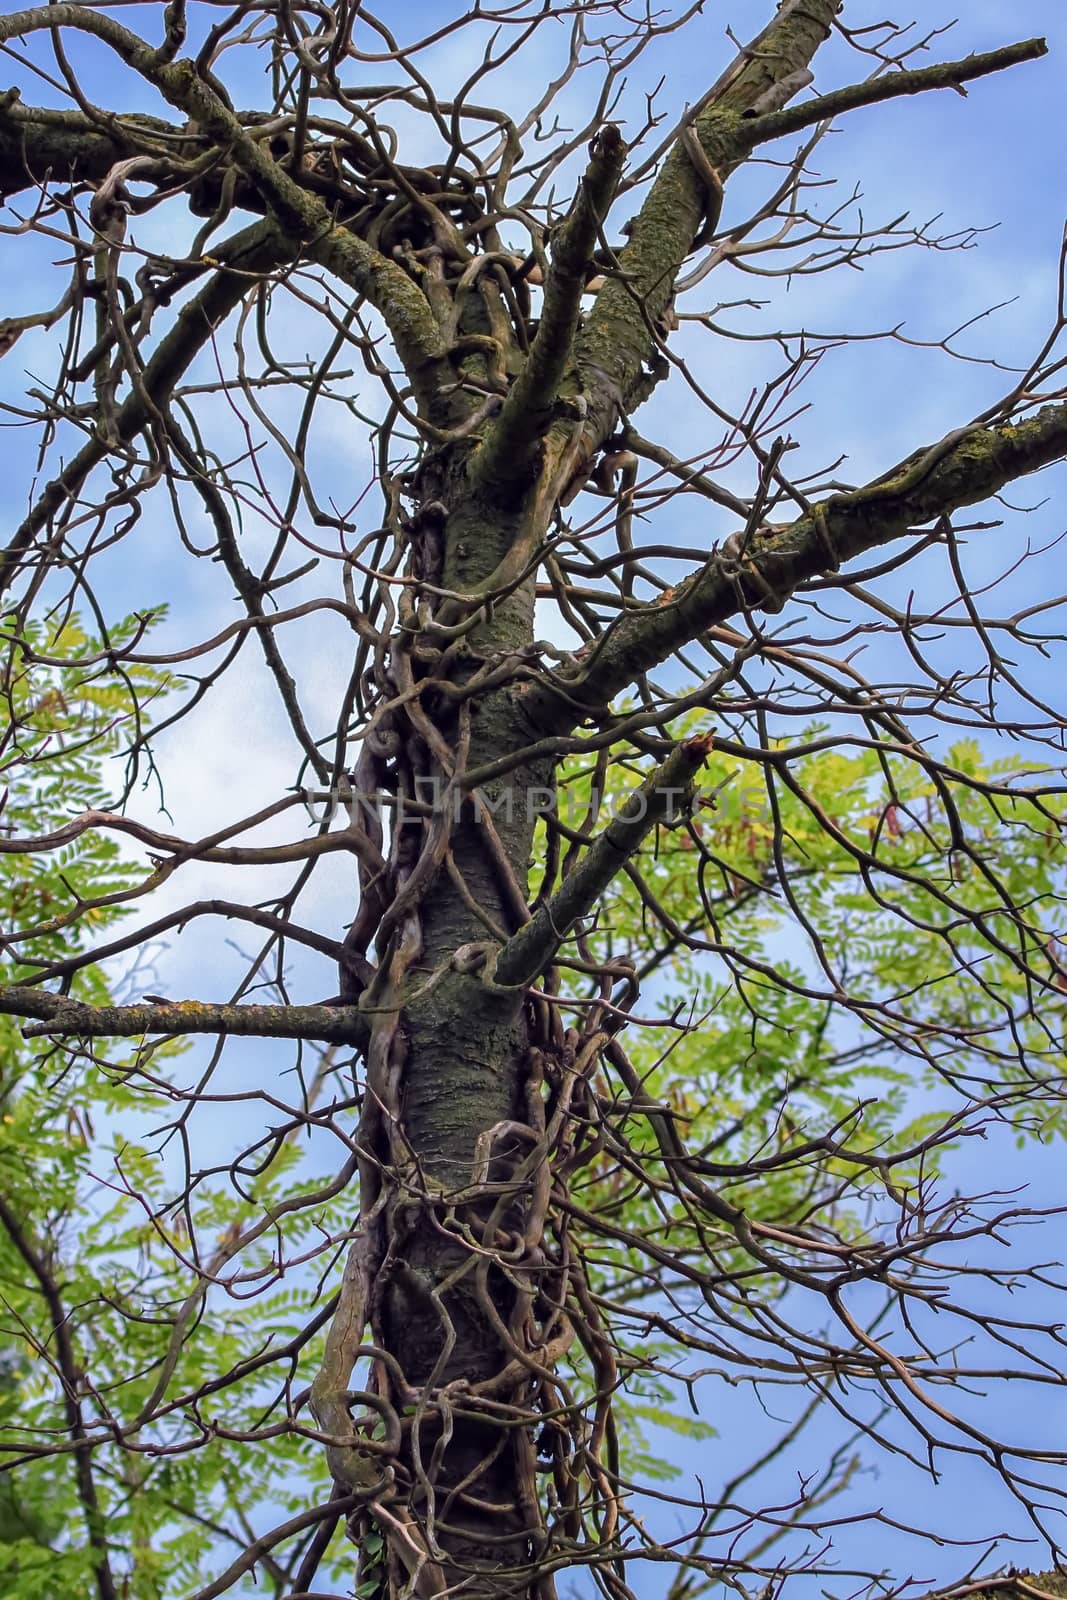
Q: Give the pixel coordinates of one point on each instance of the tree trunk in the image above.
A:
(463, 1296)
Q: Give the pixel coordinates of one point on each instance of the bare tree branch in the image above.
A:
(512, 440)
(62, 1017)
(761, 571)
(875, 91)
(663, 796)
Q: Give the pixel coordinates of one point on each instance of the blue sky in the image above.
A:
(992, 161)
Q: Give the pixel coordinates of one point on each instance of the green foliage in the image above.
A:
(853, 968)
(63, 722)
(905, 886)
(86, 1198)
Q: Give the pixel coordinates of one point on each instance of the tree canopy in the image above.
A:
(529, 862)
